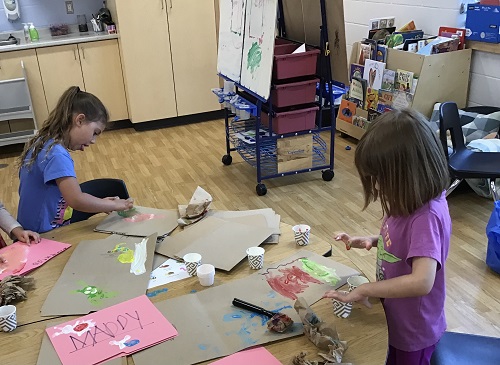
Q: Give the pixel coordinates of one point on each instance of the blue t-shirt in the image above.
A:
(41, 205)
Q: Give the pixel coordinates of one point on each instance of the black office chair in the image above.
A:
(101, 188)
(463, 162)
(464, 349)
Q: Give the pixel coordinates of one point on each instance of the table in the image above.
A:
(365, 330)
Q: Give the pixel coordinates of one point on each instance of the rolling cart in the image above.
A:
(282, 136)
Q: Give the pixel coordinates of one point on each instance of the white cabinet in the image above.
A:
(170, 64)
(95, 67)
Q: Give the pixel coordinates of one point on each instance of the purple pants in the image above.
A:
(400, 357)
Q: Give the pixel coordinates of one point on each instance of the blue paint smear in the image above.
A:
(156, 292)
(193, 291)
(250, 322)
(131, 343)
(271, 294)
(202, 347)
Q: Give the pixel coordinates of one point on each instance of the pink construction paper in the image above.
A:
(21, 258)
(258, 355)
(120, 330)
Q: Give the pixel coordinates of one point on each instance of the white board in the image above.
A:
(231, 32)
(258, 46)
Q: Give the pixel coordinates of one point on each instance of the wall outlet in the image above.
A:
(69, 7)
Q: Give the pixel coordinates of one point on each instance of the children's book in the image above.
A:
(356, 71)
(347, 110)
(380, 34)
(388, 80)
(404, 80)
(371, 99)
(414, 85)
(373, 74)
(384, 101)
(357, 92)
(365, 53)
(381, 53)
(402, 99)
(449, 31)
(373, 114)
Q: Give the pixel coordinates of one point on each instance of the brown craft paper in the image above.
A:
(324, 336)
(219, 242)
(301, 360)
(91, 265)
(272, 219)
(13, 288)
(210, 327)
(196, 209)
(48, 355)
(164, 222)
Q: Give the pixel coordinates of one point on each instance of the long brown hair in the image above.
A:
(57, 126)
(401, 162)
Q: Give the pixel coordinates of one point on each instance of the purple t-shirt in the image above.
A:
(417, 322)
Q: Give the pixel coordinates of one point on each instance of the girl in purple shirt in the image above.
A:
(401, 163)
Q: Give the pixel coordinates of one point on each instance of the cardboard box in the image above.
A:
(482, 23)
(294, 153)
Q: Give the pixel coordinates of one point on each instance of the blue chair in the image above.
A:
(100, 188)
(464, 349)
(463, 162)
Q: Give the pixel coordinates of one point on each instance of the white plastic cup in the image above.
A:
(206, 274)
(341, 309)
(301, 232)
(8, 318)
(192, 261)
(355, 281)
(228, 87)
(256, 257)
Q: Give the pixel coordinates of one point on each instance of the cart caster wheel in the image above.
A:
(261, 189)
(227, 160)
(328, 175)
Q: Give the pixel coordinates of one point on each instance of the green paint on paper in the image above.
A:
(320, 272)
(254, 57)
(95, 295)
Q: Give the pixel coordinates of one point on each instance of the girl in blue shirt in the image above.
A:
(49, 190)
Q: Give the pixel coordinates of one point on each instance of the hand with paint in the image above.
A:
(357, 242)
(353, 296)
(122, 204)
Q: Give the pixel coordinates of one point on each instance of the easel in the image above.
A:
(262, 154)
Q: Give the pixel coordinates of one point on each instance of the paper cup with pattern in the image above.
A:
(301, 232)
(341, 309)
(8, 319)
(256, 257)
(355, 281)
(192, 261)
(206, 274)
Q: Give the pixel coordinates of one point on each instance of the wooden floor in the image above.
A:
(162, 168)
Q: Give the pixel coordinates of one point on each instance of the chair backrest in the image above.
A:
(100, 188)
(449, 120)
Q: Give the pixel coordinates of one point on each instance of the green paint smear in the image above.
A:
(320, 272)
(94, 294)
(254, 57)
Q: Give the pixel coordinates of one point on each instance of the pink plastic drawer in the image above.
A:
(292, 121)
(294, 93)
(288, 65)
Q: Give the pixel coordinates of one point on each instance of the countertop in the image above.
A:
(46, 40)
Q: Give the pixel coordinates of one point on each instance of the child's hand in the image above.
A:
(2, 260)
(356, 242)
(122, 204)
(353, 296)
(25, 236)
